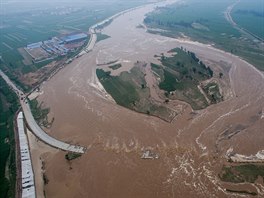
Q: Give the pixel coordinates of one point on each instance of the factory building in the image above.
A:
(74, 38)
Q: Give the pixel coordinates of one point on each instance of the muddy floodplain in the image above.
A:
(186, 155)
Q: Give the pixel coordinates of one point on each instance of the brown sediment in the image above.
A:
(188, 163)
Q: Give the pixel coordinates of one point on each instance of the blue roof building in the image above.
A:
(74, 37)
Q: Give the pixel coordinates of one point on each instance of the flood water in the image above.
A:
(190, 157)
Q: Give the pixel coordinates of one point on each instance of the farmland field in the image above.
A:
(19, 28)
(250, 16)
(129, 90)
(206, 22)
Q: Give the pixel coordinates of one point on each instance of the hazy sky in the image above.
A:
(14, 6)
(10, 6)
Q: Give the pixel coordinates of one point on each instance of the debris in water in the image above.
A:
(147, 154)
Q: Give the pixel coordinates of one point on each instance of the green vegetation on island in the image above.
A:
(130, 90)
(242, 173)
(180, 76)
(121, 88)
(8, 106)
(71, 156)
(115, 67)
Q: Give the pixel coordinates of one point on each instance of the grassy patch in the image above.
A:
(71, 156)
(242, 173)
(123, 91)
(40, 114)
(170, 82)
(101, 37)
(180, 75)
(130, 90)
(115, 67)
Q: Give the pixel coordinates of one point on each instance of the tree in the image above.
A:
(210, 71)
(162, 57)
(213, 98)
(221, 75)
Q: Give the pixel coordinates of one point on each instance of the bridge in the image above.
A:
(36, 129)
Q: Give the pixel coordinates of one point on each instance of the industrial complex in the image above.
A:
(56, 46)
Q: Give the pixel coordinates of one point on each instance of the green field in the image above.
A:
(129, 90)
(205, 22)
(8, 106)
(123, 90)
(180, 75)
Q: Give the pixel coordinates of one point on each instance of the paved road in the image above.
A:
(92, 41)
(11, 84)
(40, 133)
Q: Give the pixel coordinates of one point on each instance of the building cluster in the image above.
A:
(28, 184)
(56, 46)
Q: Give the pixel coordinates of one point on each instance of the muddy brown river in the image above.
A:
(190, 152)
